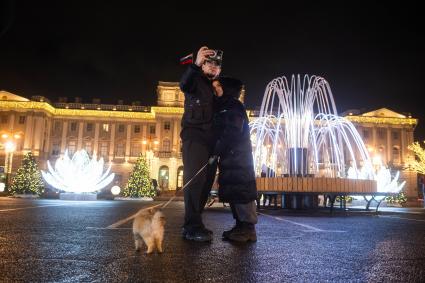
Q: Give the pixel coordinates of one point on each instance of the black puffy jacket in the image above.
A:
(197, 120)
(236, 167)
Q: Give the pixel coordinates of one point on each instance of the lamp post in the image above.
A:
(9, 149)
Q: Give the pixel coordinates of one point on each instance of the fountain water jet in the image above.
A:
(299, 133)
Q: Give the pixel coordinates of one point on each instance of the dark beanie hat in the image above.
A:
(231, 86)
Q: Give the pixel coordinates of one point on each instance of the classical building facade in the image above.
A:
(120, 133)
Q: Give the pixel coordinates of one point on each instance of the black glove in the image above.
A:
(212, 159)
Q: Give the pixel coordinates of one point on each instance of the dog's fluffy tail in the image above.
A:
(123, 221)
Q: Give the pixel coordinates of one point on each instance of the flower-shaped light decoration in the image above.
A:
(79, 174)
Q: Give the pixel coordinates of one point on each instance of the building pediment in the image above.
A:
(5, 95)
(383, 112)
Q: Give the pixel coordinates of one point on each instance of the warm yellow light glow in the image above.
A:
(156, 142)
(17, 136)
(5, 136)
(382, 120)
(10, 146)
(377, 160)
(144, 142)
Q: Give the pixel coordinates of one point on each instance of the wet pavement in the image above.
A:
(68, 241)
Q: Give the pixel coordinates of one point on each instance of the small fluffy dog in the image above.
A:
(149, 225)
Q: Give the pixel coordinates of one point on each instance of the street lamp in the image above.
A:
(9, 148)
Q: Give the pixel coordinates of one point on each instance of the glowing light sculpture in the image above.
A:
(299, 133)
(79, 174)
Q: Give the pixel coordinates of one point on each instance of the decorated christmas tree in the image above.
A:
(28, 178)
(139, 183)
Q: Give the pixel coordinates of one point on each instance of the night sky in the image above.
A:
(371, 54)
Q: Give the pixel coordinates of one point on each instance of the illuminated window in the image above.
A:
(163, 177)
(105, 127)
(180, 177)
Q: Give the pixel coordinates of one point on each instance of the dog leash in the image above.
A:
(197, 173)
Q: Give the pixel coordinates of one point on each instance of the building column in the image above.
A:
(80, 135)
(47, 142)
(11, 121)
(29, 127)
(389, 149)
(96, 139)
(38, 135)
(403, 146)
(63, 139)
(158, 134)
(175, 148)
(112, 143)
(127, 142)
(374, 138)
(144, 137)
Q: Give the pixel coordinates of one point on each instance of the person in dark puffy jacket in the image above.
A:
(198, 140)
(236, 169)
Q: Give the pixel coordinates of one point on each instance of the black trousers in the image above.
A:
(196, 155)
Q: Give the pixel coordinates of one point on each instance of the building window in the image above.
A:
(121, 128)
(395, 135)
(381, 134)
(137, 129)
(136, 148)
(396, 154)
(163, 177)
(166, 146)
(152, 129)
(4, 119)
(180, 177)
(55, 149)
(366, 134)
(22, 119)
(87, 147)
(73, 126)
(89, 127)
(120, 150)
(105, 127)
(71, 148)
(103, 149)
(167, 125)
(57, 126)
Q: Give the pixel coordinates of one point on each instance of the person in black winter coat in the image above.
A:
(236, 167)
(198, 140)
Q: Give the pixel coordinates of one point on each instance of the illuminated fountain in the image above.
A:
(299, 133)
(80, 175)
